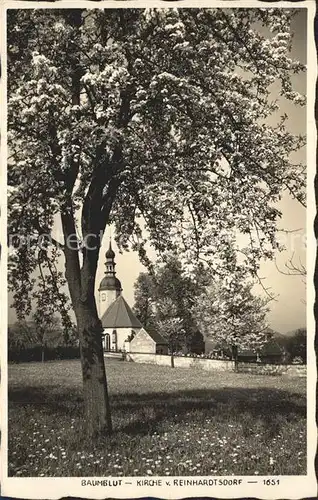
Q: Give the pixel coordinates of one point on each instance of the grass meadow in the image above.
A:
(166, 421)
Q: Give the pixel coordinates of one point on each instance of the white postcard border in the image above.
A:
(292, 487)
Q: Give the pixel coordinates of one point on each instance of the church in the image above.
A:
(120, 325)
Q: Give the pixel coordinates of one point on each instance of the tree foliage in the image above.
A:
(160, 115)
(174, 103)
(164, 300)
(37, 332)
(144, 305)
(295, 344)
(231, 315)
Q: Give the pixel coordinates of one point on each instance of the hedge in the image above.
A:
(34, 353)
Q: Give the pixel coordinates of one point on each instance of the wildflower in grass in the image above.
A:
(256, 472)
(149, 472)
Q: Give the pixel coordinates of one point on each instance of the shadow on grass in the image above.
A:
(139, 414)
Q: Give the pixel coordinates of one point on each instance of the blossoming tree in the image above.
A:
(160, 115)
(231, 315)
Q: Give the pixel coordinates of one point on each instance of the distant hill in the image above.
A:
(289, 346)
(291, 333)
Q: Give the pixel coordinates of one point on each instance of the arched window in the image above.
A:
(114, 340)
(107, 342)
(103, 297)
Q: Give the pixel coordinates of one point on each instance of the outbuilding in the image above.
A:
(149, 342)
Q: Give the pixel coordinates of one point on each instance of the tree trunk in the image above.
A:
(96, 400)
(171, 356)
(81, 283)
(81, 279)
(172, 360)
(235, 357)
(43, 354)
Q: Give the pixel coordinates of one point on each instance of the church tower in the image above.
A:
(110, 286)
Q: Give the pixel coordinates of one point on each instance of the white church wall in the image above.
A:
(106, 297)
(121, 335)
(127, 346)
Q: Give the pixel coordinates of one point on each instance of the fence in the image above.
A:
(217, 365)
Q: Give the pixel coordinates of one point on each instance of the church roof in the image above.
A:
(110, 283)
(119, 315)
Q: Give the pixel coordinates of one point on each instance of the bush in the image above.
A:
(298, 360)
(34, 353)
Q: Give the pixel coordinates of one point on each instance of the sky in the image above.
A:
(288, 311)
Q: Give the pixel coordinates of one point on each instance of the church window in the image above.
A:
(107, 342)
(114, 337)
(103, 297)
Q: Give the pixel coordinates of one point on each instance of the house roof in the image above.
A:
(119, 315)
(156, 336)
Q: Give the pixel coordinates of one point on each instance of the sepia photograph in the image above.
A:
(158, 169)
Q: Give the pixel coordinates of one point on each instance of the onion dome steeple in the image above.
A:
(110, 282)
(110, 254)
